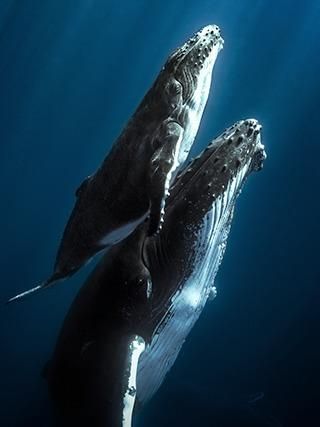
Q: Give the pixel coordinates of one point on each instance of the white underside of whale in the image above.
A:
(188, 303)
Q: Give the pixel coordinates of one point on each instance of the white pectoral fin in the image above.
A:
(163, 164)
(136, 348)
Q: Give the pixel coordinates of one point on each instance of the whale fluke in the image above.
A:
(24, 294)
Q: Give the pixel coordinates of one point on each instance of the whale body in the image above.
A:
(133, 181)
(129, 321)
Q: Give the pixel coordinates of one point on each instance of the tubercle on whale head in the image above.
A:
(224, 163)
(241, 145)
(195, 53)
(208, 185)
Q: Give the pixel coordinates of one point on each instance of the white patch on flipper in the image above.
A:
(175, 166)
(136, 347)
(121, 233)
(192, 297)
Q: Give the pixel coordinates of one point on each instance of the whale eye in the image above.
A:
(174, 88)
(140, 281)
(141, 286)
(173, 93)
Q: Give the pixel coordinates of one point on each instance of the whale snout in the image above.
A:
(248, 128)
(198, 52)
(252, 129)
(211, 34)
(240, 145)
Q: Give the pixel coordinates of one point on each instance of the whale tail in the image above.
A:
(47, 283)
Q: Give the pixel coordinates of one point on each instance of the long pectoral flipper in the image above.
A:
(163, 164)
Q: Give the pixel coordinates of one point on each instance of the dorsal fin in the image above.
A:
(82, 186)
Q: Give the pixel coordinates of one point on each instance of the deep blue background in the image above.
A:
(71, 74)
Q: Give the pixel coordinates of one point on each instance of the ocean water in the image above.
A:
(71, 74)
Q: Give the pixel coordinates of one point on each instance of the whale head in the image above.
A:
(217, 175)
(201, 204)
(181, 90)
(190, 67)
(188, 73)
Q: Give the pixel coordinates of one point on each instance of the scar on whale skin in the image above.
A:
(119, 341)
(133, 181)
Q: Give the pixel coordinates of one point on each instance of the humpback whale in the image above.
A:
(133, 180)
(128, 322)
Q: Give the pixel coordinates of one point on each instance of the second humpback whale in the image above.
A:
(134, 178)
(129, 321)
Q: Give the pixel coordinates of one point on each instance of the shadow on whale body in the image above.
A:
(127, 324)
(133, 180)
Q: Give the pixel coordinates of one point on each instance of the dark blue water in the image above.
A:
(71, 74)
